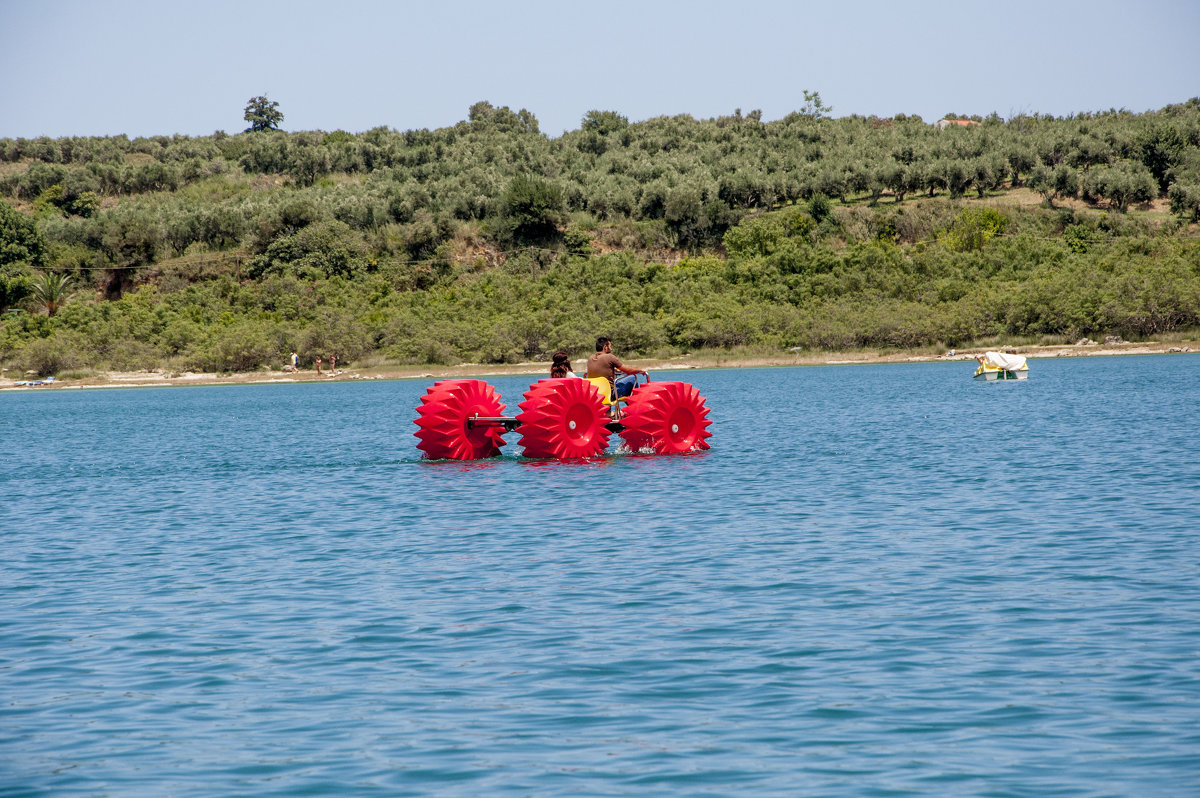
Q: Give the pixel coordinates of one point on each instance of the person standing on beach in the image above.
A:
(318, 365)
(333, 364)
(295, 362)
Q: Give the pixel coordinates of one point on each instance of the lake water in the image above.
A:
(881, 580)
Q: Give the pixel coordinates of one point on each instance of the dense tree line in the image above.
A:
(489, 242)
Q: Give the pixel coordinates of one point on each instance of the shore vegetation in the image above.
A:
(490, 243)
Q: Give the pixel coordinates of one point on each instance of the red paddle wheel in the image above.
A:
(668, 417)
(562, 418)
(445, 420)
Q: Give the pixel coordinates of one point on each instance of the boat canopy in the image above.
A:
(1000, 360)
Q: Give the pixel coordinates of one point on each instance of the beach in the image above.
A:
(164, 378)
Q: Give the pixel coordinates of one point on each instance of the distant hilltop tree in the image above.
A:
(813, 107)
(262, 114)
(604, 122)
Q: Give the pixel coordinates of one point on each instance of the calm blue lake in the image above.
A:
(881, 580)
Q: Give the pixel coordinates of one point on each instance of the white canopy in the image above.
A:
(1000, 360)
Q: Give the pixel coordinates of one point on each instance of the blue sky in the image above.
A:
(148, 68)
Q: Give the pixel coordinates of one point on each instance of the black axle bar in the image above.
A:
(510, 423)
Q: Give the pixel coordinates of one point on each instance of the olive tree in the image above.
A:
(1021, 159)
(530, 210)
(1122, 183)
(1052, 182)
(1185, 201)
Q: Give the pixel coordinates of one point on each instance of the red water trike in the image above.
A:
(562, 418)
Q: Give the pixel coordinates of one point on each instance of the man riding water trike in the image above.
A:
(603, 366)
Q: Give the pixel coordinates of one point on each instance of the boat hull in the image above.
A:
(992, 376)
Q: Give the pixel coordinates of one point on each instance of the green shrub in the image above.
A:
(47, 356)
(578, 242)
(1079, 238)
(243, 346)
(974, 228)
(20, 240)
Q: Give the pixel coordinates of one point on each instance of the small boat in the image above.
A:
(1001, 366)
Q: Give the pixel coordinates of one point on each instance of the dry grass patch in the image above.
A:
(14, 167)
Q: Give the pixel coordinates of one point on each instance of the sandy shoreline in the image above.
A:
(149, 379)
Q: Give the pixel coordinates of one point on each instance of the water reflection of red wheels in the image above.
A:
(443, 418)
(668, 417)
(563, 418)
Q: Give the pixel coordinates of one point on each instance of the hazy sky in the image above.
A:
(69, 67)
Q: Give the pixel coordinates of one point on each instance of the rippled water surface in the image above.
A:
(881, 580)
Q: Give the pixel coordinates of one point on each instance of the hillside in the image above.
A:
(488, 242)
